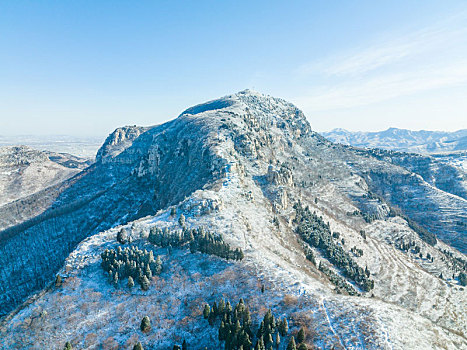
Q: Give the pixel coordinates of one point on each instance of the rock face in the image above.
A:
(239, 166)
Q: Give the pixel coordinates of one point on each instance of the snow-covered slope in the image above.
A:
(24, 171)
(237, 166)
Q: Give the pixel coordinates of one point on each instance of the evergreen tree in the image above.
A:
(148, 272)
(58, 281)
(138, 346)
(173, 211)
(115, 278)
(278, 340)
(284, 327)
(206, 311)
(292, 345)
(145, 324)
(463, 279)
(130, 283)
(176, 347)
(68, 346)
(184, 346)
(181, 220)
(301, 335)
(302, 346)
(122, 236)
(145, 283)
(269, 339)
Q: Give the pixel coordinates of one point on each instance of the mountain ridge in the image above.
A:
(241, 166)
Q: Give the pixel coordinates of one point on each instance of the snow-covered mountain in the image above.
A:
(422, 141)
(375, 262)
(83, 147)
(24, 171)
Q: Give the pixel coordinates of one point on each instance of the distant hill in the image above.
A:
(84, 147)
(422, 141)
(24, 170)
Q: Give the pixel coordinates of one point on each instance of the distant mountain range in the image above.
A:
(422, 141)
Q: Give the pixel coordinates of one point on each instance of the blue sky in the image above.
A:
(86, 67)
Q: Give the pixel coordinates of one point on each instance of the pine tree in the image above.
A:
(58, 281)
(278, 340)
(302, 346)
(176, 347)
(148, 272)
(68, 346)
(463, 279)
(284, 327)
(145, 324)
(184, 346)
(122, 236)
(181, 220)
(301, 335)
(115, 278)
(145, 283)
(269, 339)
(173, 211)
(206, 311)
(130, 283)
(292, 345)
(138, 346)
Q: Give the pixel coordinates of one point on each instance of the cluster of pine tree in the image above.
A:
(236, 328)
(199, 240)
(340, 283)
(132, 263)
(317, 233)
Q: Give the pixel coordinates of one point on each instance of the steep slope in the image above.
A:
(146, 176)
(244, 167)
(24, 171)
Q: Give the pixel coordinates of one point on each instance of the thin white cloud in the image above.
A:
(383, 87)
(431, 58)
(391, 50)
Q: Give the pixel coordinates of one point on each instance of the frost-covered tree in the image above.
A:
(283, 327)
(145, 324)
(68, 346)
(122, 236)
(144, 283)
(292, 345)
(184, 346)
(206, 311)
(115, 278)
(181, 220)
(130, 283)
(138, 346)
(278, 340)
(58, 281)
(301, 335)
(302, 346)
(463, 279)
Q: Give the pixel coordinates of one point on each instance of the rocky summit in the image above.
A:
(236, 226)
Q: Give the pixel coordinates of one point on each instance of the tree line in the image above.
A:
(314, 231)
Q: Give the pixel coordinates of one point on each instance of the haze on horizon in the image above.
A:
(85, 68)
